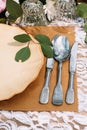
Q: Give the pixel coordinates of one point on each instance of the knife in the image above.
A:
(44, 96)
(73, 58)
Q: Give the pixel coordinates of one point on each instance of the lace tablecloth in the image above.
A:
(55, 120)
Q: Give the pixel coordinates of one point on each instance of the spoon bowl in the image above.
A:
(61, 49)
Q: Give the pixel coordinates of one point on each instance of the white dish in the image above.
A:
(16, 76)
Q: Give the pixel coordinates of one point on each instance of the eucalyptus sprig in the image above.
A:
(81, 10)
(24, 53)
(86, 39)
(85, 28)
(14, 9)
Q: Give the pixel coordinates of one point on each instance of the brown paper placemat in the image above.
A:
(29, 99)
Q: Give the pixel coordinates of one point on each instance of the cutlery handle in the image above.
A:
(58, 92)
(70, 91)
(44, 96)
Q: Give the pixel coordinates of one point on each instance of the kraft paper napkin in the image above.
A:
(29, 99)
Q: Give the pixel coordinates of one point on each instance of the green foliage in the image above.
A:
(14, 9)
(85, 27)
(2, 20)
(86, 39)
(47, 50)
(45, 44)
(81, 10)
(43, 39)
(22, 38)
(23, 54)
(11, 18)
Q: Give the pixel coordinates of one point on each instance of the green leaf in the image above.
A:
(85, 27)
(45, 44)
(22, 38)
(47, 51)
(11, 18)
(14, 8)
(23, 54)
(81, 10)
(86, 39)
(2, 20)
(43, 39)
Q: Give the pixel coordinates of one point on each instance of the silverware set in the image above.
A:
(62, 51)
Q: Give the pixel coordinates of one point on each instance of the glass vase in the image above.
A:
(33, 13)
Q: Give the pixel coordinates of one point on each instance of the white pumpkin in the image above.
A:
(16, 76)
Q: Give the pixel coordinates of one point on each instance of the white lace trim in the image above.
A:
(55, 120)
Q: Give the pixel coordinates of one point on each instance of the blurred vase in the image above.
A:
(33, 13)
(67, 8)
(60, 9)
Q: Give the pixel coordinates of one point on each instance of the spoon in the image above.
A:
(61, 49)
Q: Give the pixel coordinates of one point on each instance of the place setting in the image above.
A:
(46, 83)
(60, 72)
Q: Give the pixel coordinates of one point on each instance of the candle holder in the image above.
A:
(60, 9)
(33, 13)
(67, 8)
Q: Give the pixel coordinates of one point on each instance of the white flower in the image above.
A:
(50, 9)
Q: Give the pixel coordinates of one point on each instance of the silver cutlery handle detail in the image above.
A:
(70, 91)
(58, 92)
(44, 96)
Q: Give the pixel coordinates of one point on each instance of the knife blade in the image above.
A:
(73, 59)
